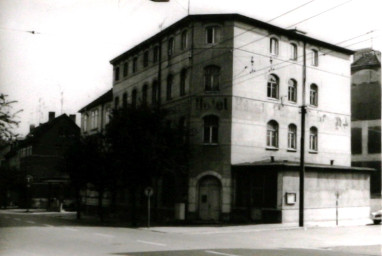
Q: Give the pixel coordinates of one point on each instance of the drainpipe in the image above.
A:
(302, 150)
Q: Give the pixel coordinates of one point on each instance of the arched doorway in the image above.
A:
(209, 198)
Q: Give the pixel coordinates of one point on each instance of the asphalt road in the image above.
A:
(45, 235)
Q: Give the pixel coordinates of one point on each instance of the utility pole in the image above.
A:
(302, 147)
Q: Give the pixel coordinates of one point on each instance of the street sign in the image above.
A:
(149, 191)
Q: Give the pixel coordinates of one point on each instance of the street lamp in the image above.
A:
(29, 180)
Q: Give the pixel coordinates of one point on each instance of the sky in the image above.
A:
(54, 54)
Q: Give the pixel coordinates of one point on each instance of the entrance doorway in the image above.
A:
(209, 198)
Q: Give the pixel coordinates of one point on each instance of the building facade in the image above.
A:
(237, 84)
(366, 117)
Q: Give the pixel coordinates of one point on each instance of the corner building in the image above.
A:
(237, 84)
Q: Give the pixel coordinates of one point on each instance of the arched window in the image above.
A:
(154, 93)
(170, 46)
(314, 57)
(273, 87)
(292, 90)
(183, 77)
(313, 139)
(293, 51)
(124, 100)
(211, 129)
(313, 95)
(169, 87)
(211, 78)
(134, 98)
(272, 134)
(184, 39)
(116, 102)
(144, 94)
(274, 46)
(292, 136)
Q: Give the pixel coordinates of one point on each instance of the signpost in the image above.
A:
(149, 191)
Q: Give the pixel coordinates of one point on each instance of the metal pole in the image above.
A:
(148, 211)
(302, 150)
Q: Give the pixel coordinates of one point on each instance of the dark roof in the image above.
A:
(106, 97)
(369, 58)
(234, 17)
(308, 165)
(42, 128)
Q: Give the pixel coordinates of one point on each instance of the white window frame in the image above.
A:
(273, 87)
(313, 139)
(272, 134)
(274, 46)
(292, 90)
(313, 95)
(314, 56)
(293, 51)
(292, 137)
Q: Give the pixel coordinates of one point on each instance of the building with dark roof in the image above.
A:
(40, 156)
(237, 83)
(366, 117)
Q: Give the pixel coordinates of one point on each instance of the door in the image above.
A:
(209, 198)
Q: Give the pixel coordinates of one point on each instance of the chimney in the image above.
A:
(52, 115)
(31, 127)
(73, 117)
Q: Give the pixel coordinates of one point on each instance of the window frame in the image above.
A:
(135, 64)
(313, 95)
(125, 69)
(314, 60)
(211, 32)
(145, 58)
(170, 47)
(293, 51)
(155, 54)
(274, 46)
(313, 139)
(292, 90)
(211, 130)
(116, 74)
(292, 137)
(272, 136)
(273, 87)
(212, 78)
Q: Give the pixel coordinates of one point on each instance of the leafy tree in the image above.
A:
(144, 147)
(7, 118)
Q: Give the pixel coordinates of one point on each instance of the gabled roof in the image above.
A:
(104, 98)
(291, 33)
(43, 128)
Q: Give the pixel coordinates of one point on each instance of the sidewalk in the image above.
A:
(63, 214)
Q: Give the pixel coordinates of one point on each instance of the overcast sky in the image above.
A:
(74, 40)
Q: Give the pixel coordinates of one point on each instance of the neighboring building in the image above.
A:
(40, 156)
(236, 83)
(366, 117)
(96, 114)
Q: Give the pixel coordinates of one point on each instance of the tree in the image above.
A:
(7, 118)
(144, 147)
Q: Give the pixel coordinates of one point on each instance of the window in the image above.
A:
(85, 122)
(144, 94)
(169, 87)
(170, 47)
(211, 78)
(212, 34)
(145, 58)
(183, 77)
(116, 74)
(154, 95)
(155, 54)
(124, 100)
(313, 139)
(292, 90)
(313, 95)
(135, 64)
(116, 102)
(125, 69)
(94, 121)
(184, 37)
(134, 98)
(272, 134)
(273, 87)
(107, 115)
(356, 141)
(293, 51)
(211, 128)
(274, 46)
(374, 140)
(314, 57)
(292, 137)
